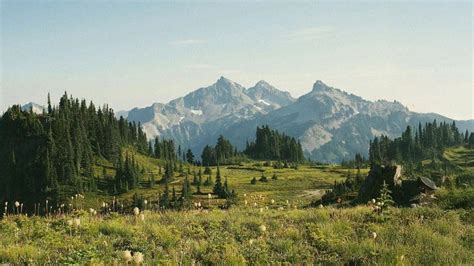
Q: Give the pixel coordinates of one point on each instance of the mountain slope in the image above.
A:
(36, 108)
(331, 124)
(191, 117)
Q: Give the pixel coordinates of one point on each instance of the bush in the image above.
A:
(456, 198)
(253, 181)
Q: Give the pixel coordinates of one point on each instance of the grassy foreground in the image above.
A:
(428, 236)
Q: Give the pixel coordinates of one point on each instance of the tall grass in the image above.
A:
(427, 236)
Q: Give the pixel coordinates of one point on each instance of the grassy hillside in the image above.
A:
(300, 186)
(274, 226)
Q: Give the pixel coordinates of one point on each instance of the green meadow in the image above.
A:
(270, 223)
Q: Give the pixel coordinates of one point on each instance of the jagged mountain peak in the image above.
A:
(319, 85)
(263, 83)
(265, 93)
(225, 82)
(330, 123)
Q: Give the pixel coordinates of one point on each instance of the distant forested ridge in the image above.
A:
(273, 145)
(51, 155)
(222, 153)
(426, 142)
(420, 153)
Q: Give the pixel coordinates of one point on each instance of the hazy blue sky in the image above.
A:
(135, 53)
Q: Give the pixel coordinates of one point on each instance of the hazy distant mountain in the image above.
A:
(331, 124)
(188, 119)
(38, 109)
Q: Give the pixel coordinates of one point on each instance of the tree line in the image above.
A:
(221, 153)
(426, 142)
(51, 155)
(273, 145)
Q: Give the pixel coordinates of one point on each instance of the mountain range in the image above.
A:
(331, 124)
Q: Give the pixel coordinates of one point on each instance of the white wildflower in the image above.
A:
(136, 211)
(126, 256)
(373, 235)
(142, 217)
(77, 222)
(17, 204)
(273, 201)
(262, 228)
(138, 258)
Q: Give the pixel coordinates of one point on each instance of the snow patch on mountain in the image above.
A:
(36, 108)
(264, 102)
(196, 112)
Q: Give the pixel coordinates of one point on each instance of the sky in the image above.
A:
(134, 53)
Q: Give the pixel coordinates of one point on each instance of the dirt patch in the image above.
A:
(313, 193)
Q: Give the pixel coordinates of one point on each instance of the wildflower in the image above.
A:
(255, 204)
(91, 211)
(273, 201)
(209, 196)
(17, 204)
(126, 256)
(280, 208)
(245, 202)
(136, 211)
(374, 235)
(287, 202)
(145, 202)
(142, 217)
(251, 241)
(262, 228)
(261, 209)
(320, 206)
(77, 222)
(199, 204)
(138, 258)
(245, 195)
(373, 201)
(402, 257)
